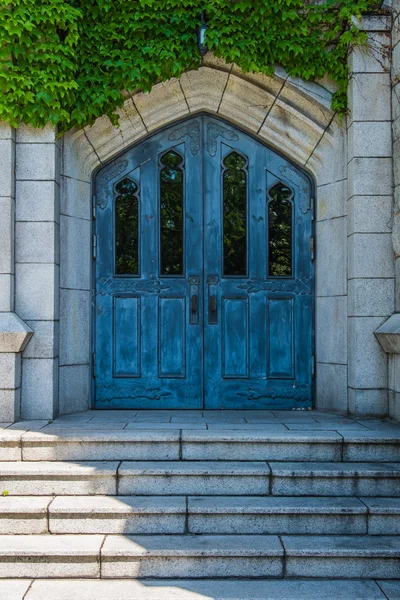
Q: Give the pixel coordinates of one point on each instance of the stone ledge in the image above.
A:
(14, 333)
(388, 334)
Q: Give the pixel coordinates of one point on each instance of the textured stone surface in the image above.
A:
(7, 235)
(102, 445)
(74, 327)
(14, 589)
(39, 388)
(203, 88)
(74, 391)
(369, 138)
(368, 402)
(50, 556)
(370, 255)
(238, 95)
(351, 556)
(369, 97)
(213, 589)
(370, 214)
(191, 556)
(14, 333)
(10, 370)
(391, 589)
(167, 103)
(258, 445)
(10, 444)
(164, 478)
(367, 361)
(122, 514)
(37, 242)
(50, 478)
(371, 446)
(388, 335)
(331, 342)
(108, 139)
(301, 134)
(37, 161)
(383, 515)
(278, 515)
(75, 248)
(335, 479)
(37, 201)
(331, 390)
(31, 303)
(331, 264)
(331, 201)
(371, 297)
(75, 198)
(23, 515)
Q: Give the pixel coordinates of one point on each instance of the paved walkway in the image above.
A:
(199, 590)
(251, 420)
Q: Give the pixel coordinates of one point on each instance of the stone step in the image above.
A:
(24, 514)
(192, 556)
(196, 477)
(383, 515)
(58, 478)
(101, 445)
(52, 556)
(199, 556)
(180, 478)
(199, 514)
(335, 479)
(276, 515)
(350, 556)
(76, 443)
(118, 514)
(118, 589)
(261, 445)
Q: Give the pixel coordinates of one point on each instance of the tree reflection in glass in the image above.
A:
(126, 228)
(171, 214)
(280, 209)
(234, 194)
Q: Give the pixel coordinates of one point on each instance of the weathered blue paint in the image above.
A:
(203, 339)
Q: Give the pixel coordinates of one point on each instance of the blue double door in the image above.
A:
(203, 274)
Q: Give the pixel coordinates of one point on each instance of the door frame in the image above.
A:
(94, 210)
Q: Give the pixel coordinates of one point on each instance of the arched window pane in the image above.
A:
(126, 228)
(234, 196)
(171, 214)
(280, 226)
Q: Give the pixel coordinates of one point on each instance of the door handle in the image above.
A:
(213, 306)
(194, 294)
(212, 281)
(194, 304)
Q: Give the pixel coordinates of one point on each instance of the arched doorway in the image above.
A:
(203, 274)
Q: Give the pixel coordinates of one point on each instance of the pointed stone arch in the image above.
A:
(291, 116)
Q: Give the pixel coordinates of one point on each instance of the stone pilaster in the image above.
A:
(37, 266)
(369, 210)
(14, 334)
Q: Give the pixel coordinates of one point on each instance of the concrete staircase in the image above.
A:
(291, 514)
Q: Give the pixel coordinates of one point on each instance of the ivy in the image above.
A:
(71, 61)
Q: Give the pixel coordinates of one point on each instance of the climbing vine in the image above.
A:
(71, 61)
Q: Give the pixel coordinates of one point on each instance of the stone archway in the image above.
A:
(290, 116)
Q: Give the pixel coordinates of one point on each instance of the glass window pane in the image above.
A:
(280, 225)
(171, 214)
(234, 193)
(126, 228)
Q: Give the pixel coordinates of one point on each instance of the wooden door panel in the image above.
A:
(148, 339)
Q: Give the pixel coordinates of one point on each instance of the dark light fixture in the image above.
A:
(201, 35)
